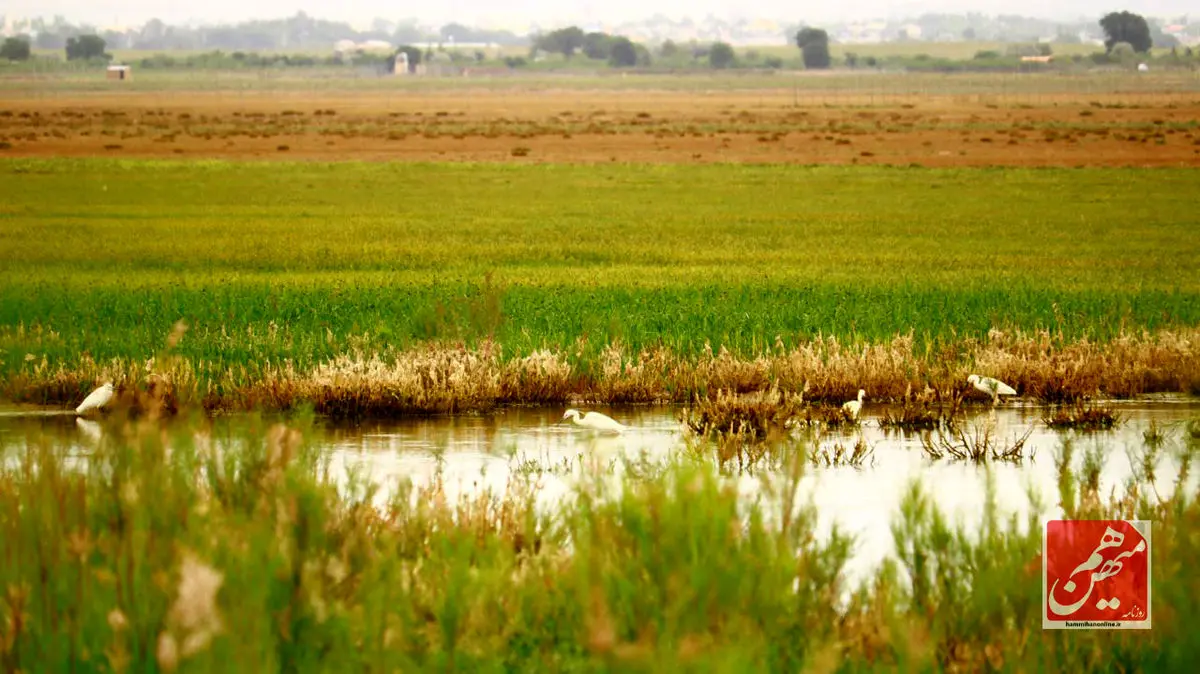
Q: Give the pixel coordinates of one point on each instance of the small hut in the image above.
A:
(119, 73)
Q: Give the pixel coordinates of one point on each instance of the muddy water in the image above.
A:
(484, 452)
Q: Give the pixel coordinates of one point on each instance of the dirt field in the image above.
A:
(508, 124)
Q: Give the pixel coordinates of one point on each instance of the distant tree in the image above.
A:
(85, 47)
(814, 47)
(872, 62)
(851, 60)
(1126, 27)
(565, 41)
(720, 55)
(455, 32)
(622, 54)
(408, 31)
(598, 45)
(15, 49)
(968, 34)
(668, 49)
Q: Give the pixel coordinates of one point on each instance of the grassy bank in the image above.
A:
(188, 550)
(292, 268)
(440, 378)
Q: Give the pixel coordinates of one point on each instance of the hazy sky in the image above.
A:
(554, 12)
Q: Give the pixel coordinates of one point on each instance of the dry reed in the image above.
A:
(1083, 417)
(451, 378)
(979, 445)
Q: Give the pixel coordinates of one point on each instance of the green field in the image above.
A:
(275, 260)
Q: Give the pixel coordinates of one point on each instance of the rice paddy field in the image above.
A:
(253, 265)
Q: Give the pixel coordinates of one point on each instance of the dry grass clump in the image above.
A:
(1154, 435)
(724, 371)
(925, 411)
(910, 417)
(1048, 368)
(827, 415)
(831, 371)
(1083, 417)
(541, 377)
(633, 378)
(436, 379)
(425, 381)
(979, 445)
(752, 416)
(443, 377)
(855, 456)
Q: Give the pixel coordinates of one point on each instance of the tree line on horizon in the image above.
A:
(1125, 32)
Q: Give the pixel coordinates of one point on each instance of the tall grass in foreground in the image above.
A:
(174, 549)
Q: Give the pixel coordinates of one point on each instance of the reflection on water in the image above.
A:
(481, 452)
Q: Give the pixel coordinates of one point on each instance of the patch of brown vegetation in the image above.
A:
(629, 125)
(750, 416)
(450, 378)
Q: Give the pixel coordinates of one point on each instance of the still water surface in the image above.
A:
(483, 452)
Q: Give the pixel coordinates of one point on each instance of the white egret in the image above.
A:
(96, 399)
(853, 407)
(594, 421)
(993, 387)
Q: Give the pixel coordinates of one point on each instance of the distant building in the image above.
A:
(119, 73)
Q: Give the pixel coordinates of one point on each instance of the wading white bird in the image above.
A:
(594, 421)
(993, 387)
(853, 407)
(96, 399)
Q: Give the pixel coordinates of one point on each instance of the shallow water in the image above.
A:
(474, 452)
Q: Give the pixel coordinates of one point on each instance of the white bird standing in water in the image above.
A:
(853, 407)
(96, 399)
(594, 421)
(993, 387)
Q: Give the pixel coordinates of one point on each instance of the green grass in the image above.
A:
(231, 548)
(296, 260)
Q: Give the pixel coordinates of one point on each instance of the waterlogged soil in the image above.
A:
(512, 125)
(533, 445)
